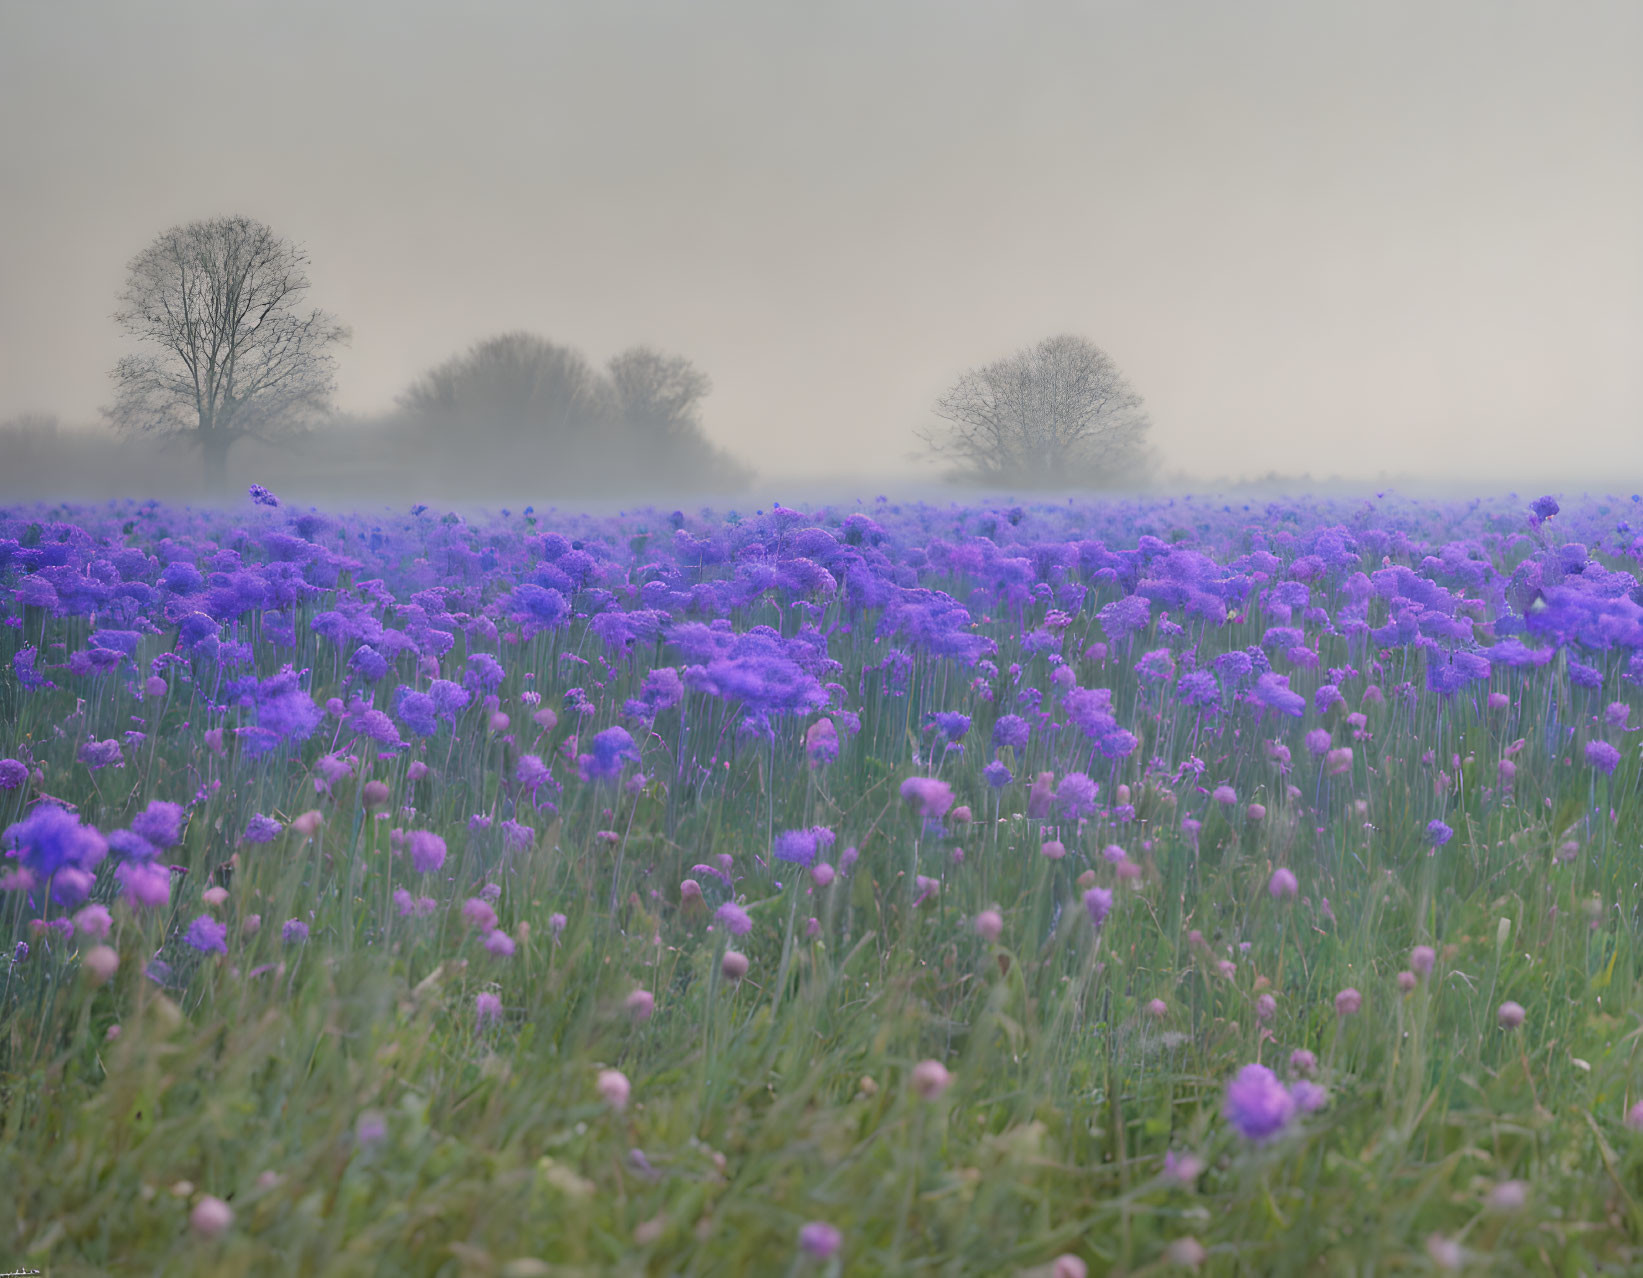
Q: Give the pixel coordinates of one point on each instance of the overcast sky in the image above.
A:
(1336, 237)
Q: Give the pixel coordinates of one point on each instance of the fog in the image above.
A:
(1328, 239)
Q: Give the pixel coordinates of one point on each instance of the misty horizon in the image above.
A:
(1317, 240)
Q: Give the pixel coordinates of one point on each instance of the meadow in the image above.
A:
(1131, 887)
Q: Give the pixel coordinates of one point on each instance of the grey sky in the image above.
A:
(1325, 236)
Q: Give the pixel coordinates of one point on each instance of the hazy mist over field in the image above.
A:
(1360, 240)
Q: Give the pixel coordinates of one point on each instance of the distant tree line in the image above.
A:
(228, 352)
(229, 355)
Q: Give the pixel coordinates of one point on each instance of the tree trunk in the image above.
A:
(215, 449)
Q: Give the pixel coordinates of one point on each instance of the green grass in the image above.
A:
(762, 1105)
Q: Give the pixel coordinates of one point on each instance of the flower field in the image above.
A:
(1118, 888)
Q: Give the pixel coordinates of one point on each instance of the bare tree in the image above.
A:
(515, 384)
(235, 357)
(656, 392)
(519, 404)
(1056, 414)
(657, 398)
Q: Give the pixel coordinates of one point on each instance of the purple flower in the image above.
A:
(821, 743)
(262, 829)
(1272, 691)
(1308, 1096)
(97, 755)
(1602, 756)
(262, 497)
(1075, 796)
(12, 774)
(1011, 730)
(530, 773)
(146, 883)
(801, 847)
(1098, 901)
(160, 823)
(1199, 688)
(610, 750)
(499, 944)
(478, 914)
(51, 839)
(997, 775)
(819, 1239)
(1257, 1104)
(207, 935)
(427, 851)
(295, 932)
(487, 1009)
(1437, 833)
(734, 919)
(929, 796)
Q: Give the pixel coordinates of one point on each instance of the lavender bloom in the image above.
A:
(1198, 688)
(1602, 756)
(1076, 796)
(146, 883)
(51, 839)
(517, 837)
(207, 935)
(932, 798)
(1437, 833)
(160, 823)
(821, 743)
(1098, 901)
(531, 774)
(1257, 1104)
(610, 750)
(1272, 691)
(820, 1239)
(1011, 730)
(262, 829)
(734, 919)
(427, 851)
(97, 755)
(801, 847)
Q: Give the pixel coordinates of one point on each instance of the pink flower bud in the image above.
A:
(989, 925)
(615, 1088)
(100, 963)
(211, 1218)
(931, 1079)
